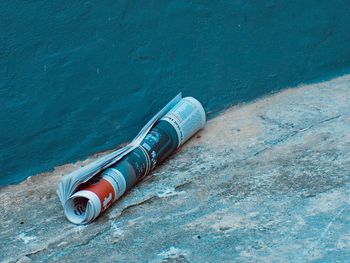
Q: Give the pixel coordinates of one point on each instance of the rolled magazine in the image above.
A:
(90, 190)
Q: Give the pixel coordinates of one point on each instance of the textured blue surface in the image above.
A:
(79, 77)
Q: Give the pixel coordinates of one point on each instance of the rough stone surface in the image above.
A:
(266, 181)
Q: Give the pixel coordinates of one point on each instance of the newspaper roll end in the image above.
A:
(200, 109)
(95, 197)
(187, 117)
(82, 207)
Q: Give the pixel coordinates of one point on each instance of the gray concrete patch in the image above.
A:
(266, 181)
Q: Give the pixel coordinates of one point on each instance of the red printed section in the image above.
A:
(105, 192)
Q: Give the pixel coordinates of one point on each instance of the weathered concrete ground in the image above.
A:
(267, 181)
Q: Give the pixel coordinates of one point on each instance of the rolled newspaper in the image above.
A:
(167, 134)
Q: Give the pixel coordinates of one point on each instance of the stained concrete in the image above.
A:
(266, 181)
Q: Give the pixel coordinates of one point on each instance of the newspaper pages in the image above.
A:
(70, 183)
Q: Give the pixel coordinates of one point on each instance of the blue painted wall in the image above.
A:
(79, 77)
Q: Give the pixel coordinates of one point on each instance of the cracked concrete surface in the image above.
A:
(266, 181)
